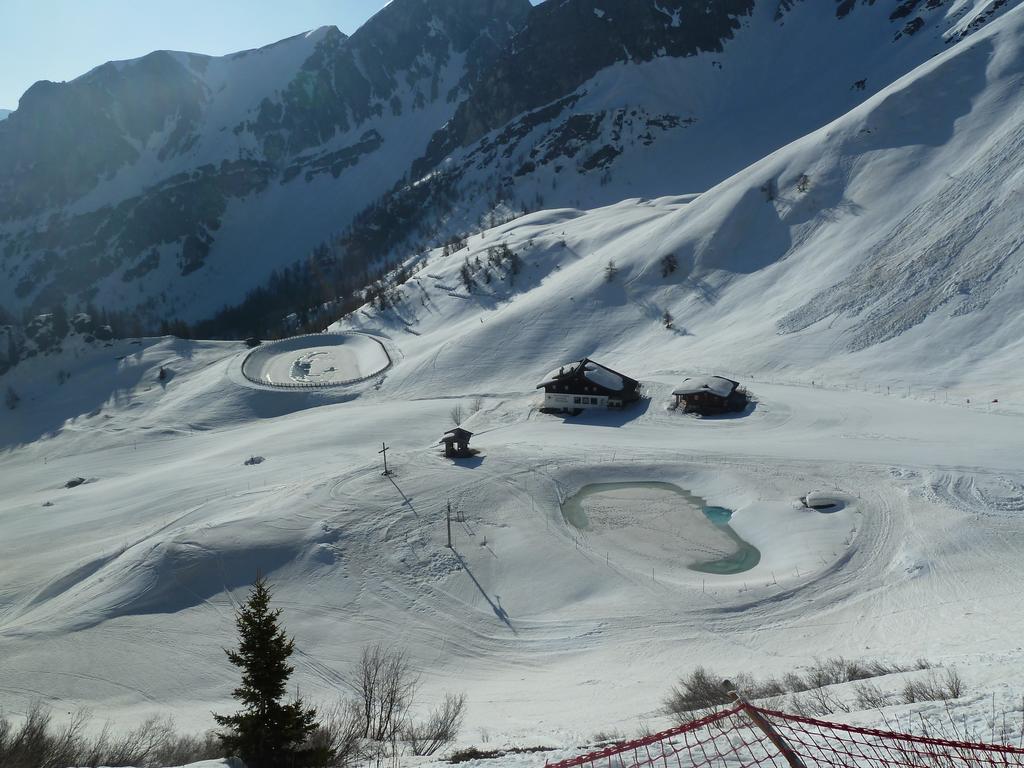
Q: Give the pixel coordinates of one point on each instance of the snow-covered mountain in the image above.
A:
(4, 113)
(884, 247)
(199, 176)
(176, 180)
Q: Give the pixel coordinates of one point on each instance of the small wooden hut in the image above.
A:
(710, 395)
(456, 443)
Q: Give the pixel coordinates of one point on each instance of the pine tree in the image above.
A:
(266, 733)
(669, 264)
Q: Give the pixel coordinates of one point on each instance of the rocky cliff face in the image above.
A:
(173, 184)
(565, 44)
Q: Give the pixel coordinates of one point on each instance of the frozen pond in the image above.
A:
(658, 523)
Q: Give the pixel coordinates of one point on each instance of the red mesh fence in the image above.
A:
(746, 736)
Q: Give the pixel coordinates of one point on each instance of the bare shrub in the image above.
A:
(933, 687)
(34, 742)
(701, 689)
(440, 728)
(602, 738)
(807, 691)
(182, 750)
(823, 701)
(455, 414)
(339, 732)
(954, 684)
(870, 696)
(385, 685)
(138, 746)
(39, 743)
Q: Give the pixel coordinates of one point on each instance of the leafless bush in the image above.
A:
(339, 732)
(385, 685)
(808, 691)
(602, 738)
(455, 414)
(934, 688)
(870, 696)
(440, 728)
(700, 689)
(476, 405)
(184, 749)
(40, 743)
(816, 702)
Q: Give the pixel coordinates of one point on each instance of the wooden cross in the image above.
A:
(384, 451)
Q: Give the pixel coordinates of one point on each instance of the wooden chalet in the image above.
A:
(710, 395)
(456, 443)
(587, 384)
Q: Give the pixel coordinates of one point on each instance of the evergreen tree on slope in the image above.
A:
(266, 732)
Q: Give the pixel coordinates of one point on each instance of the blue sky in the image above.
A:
(61, 39)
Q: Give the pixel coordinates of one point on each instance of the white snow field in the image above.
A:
(876, 317)
(317, 361)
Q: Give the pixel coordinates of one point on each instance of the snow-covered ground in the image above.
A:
(118, 593)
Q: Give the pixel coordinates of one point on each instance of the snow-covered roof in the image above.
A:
(716, 385)
(559, 372)
(603, 377)
(594, 372)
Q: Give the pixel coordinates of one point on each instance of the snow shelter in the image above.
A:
(587, 384)
(456, 443)
(708, 395)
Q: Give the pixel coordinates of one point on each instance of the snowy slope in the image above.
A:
(672, 124)
(4, 113)
(897, 260)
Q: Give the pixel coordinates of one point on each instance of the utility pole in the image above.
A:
(450, 525)
(384, 451)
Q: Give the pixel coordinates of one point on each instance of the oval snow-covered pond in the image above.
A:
(319, 360)
(655, 523)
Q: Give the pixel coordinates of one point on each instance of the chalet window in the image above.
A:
(593, 401)
(577, 400)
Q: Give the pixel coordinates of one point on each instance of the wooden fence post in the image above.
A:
(765, 727)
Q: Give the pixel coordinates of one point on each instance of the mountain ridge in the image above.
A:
(227, 169)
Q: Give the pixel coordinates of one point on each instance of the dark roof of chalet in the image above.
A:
(458, 433)
(602, 375)
(715, 385)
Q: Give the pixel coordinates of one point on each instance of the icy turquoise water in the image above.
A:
(745, 558)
